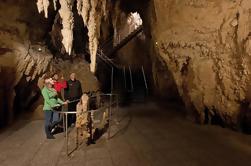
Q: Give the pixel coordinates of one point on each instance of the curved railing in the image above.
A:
(110, 101)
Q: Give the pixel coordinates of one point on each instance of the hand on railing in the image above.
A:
(66, 102)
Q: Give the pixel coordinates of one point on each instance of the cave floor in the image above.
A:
(148, 135)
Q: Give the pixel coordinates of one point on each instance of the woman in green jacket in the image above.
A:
(51, 101)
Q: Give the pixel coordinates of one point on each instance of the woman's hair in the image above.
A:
(47, 76)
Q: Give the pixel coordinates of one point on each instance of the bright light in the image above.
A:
(134, 19)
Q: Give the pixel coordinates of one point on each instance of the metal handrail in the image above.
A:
(130, 71)
(124, 74)
(65, 117)
(144, 76)
(112, 76)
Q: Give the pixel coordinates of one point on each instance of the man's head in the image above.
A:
(73, 76)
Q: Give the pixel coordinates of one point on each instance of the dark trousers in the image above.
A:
(72, 108)
(51, 119)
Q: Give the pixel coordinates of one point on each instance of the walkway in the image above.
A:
(151, 136)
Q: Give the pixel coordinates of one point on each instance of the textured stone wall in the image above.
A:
(206, 48)
(21, 57)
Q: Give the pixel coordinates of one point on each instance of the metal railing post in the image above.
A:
(113, 106)
(112, 81)
(110, 117)
(66, 133)
(132, 88)
(144, 76)
(117, 102)
(124, 72)
(64, 127)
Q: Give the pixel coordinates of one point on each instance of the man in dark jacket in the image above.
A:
(73, 92)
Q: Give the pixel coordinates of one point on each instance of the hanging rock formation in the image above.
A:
(42, 6)
(66, 14)
(92, 12)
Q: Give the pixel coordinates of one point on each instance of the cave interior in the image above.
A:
(181, 67)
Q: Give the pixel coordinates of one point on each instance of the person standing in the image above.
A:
(73, 93)
(51, 101)
(59, 84)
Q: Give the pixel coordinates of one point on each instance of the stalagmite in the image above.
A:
(82, 111)
(82, 116)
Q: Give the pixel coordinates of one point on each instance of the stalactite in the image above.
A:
(92, 25)
(95, 16)
(40, 6)
(46, 4)
(79, 6)
(55, 4)
(104, 9)
(67, 21)
(43, 5)
(85, 11)
(92, 12)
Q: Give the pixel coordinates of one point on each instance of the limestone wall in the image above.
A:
(206, 47)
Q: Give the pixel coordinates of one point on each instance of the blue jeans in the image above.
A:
(50, 119)
(55, 116)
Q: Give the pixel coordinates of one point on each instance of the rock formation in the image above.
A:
(24, 58)
(66, 14)
(199, 47)
(20, 60)
(42, 6)
(92, 13)
(206, 48)
(82, 117)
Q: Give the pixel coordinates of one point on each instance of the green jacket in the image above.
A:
(50, 99)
